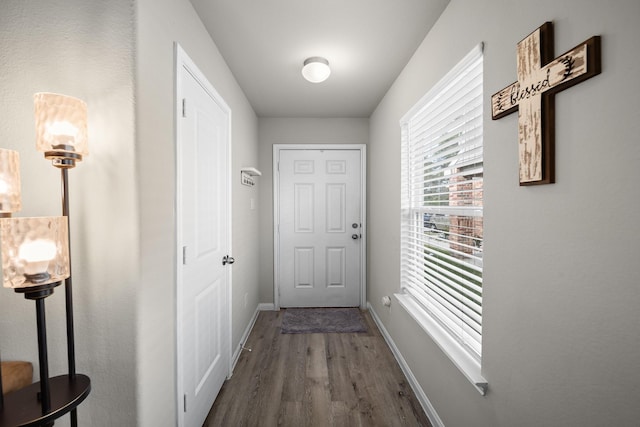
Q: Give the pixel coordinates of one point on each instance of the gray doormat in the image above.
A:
(322, 320)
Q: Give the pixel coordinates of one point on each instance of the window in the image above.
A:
(442, 169)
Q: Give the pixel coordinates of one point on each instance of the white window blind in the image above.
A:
(442, 228)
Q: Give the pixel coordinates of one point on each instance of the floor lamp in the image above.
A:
(36, 259)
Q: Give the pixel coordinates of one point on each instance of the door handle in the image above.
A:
(228, 260)
(354, 236)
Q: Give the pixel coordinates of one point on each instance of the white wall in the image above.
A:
(561, 320)
(293, 131)
(84, 49)
(160, 24)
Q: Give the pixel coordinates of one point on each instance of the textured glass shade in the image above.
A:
(9, 181)
(35, 251)
(61, 124)
(316, 69)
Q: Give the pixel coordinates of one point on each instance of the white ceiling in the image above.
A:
(367, 43)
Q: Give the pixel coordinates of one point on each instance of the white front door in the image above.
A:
(203, 240)
(320, 228)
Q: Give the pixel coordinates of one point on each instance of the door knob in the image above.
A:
(354, 236)
(228, 260)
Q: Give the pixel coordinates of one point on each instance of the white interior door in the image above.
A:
(203, 240)
(320, 225)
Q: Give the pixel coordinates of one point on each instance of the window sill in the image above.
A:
(452, 348)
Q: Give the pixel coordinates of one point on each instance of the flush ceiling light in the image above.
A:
(316, 69)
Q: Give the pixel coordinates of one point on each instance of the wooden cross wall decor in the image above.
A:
(540, 77)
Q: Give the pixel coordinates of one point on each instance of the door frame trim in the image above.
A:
(362, 148)
(183, 63)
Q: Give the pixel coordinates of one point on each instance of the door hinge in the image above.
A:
(184, 255)
(185, 403)
(184, 107)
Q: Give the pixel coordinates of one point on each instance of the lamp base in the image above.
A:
(22, 407)
(37, 292)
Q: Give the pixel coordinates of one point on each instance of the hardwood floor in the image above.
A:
(315, 380)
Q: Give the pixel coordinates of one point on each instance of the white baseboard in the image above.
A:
(413, 382)
(245, 336)
(243, 340)
(266, 306)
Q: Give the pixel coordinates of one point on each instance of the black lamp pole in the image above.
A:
(65, 161)
(43, 359)
(68, 292)
(38, 294)
(71, 349)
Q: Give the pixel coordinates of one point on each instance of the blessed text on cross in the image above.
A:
(540, 77)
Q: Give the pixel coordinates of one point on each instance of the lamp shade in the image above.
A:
(316, 69)
(35, 251)
(61, 125)
(10, 200)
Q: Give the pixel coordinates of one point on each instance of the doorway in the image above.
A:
(319, 225)
(203, 224)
